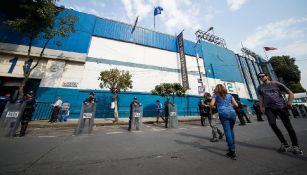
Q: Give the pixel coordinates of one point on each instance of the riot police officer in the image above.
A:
(166, 111)
(133, 104)
(30, 101)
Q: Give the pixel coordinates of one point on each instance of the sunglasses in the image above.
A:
(261, 76)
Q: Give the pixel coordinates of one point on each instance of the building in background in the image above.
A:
(72, 69)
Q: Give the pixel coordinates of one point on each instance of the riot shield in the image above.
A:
(173, 120)
(86, 119)
(10, 118)
(136, 118)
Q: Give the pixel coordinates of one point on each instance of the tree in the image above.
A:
(117, 81)
(288, 72)
(37, 19)
(167, 89)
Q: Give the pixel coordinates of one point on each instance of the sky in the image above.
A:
(252, 23)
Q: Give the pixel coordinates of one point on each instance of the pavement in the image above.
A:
(111, 149)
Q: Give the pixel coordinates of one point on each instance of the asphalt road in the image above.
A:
(154, 150)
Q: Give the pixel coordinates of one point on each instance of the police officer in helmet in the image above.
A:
(30, 101)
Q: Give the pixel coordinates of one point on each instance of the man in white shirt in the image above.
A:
(56, 108)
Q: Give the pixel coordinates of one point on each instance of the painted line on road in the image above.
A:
(115, 132)
(182, 128)
(155, 129)
(136, 131)
(46, 136)
(195, 127)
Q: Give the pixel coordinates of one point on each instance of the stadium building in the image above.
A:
(71, 70)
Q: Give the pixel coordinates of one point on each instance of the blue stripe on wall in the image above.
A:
(136, 65)
(76, 42)
(220, 63)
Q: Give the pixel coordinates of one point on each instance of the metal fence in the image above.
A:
(43, 111)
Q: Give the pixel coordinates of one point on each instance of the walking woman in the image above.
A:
(225, 105)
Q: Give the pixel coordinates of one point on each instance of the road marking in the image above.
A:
(136, 131)
(182, 128)
(115, 132)
(46, 136)
(155, 129)
(195, 127)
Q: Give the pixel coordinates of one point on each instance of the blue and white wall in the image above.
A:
(71, 70)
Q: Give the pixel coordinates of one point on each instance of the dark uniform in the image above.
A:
(30, 101)
(202, 112)
(133, 104)
(241, 114)
(166, 111)
(256, 107)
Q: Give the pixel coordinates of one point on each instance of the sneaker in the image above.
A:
(221, 136)
(297, 150)
(232, 155)
(284, 148)
(214, 140)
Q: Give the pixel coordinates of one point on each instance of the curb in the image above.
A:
(73, 124)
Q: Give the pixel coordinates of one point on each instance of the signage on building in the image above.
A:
(231, 88)
(184, 73)
(70, 84)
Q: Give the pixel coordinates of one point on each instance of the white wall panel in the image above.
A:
(144, 79)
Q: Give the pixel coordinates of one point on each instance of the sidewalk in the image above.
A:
(71, 123)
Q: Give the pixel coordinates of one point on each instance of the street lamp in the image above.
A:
(198, 33)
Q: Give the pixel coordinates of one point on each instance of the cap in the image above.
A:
(135, 98)
(92, 93)
(30, 92)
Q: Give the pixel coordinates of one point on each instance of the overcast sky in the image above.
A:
(254, 23)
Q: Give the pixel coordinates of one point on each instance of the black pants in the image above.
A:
(24, 126)
(241, 114)
(259, 117)
(202, 119)
(54, 115)
(284, 116)
(166, 121)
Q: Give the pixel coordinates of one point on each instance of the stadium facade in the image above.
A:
(71, 70)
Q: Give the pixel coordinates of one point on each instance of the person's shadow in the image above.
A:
(209, 148)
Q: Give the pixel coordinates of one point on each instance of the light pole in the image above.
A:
(197, 57)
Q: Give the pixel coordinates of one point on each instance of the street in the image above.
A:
(153, 150)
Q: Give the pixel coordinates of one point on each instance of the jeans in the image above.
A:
(228, 120)
(284, 116)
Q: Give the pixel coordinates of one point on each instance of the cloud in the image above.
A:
(235, 5)
(278, 31)
(136, 8)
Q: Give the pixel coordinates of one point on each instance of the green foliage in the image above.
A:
(115, 80)
(285, 69)
(169, 89)
(33, 17)
(37, 19)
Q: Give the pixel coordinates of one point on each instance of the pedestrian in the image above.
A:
(167, 105)
(159, 110)
(202, 108)
(241, 114)
(134, 104)
(30, 101)
(273, 104)
(64, 111)
(55, 110)
(216, 132)
(225, 106)
(257, 111)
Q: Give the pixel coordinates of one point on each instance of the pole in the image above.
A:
(265, 54)
(154, 22)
